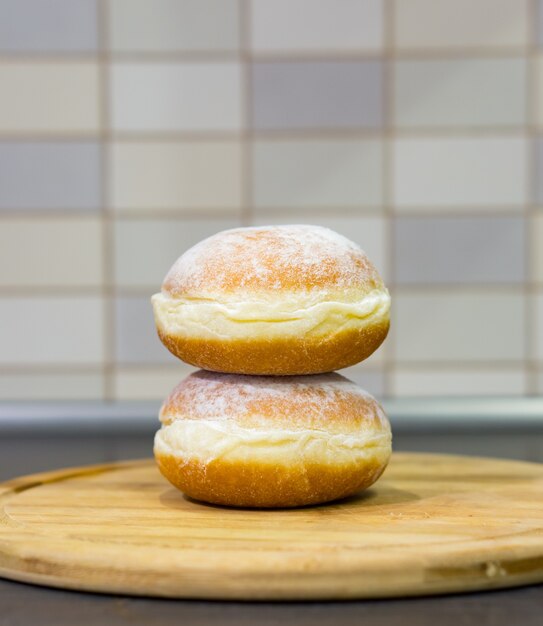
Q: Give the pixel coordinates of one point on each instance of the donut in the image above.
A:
(271, 441)
(273, 300)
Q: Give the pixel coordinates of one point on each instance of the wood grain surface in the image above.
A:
(432, 524)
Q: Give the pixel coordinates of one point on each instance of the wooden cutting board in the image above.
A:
(432, 524)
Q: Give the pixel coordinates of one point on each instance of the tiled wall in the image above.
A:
(130, 129)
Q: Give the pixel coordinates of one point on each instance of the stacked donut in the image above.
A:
(269, 313)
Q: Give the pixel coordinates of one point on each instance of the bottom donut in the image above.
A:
(268, 442)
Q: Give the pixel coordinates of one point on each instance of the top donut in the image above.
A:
(273, 300)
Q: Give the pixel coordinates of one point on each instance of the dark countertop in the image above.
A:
(27, 605)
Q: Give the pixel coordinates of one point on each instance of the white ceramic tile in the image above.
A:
(45, 386)
(536, 231)
(49, 97)
(149, 383)
(459, 250)
(316, 94)
(175, 96)
(448, 326)
(174, 25)
(370, 377)
(311, 174)
(369, 232)
(284, 26)
(457, 24)
(50, 252)
(50, 175)
(136, 338)
(457, 172)
(48, 26)
(163, 241)
(458, 382)
(539, 326)
(460, 92)
(59, 330)
(538, 97)
(175, 176)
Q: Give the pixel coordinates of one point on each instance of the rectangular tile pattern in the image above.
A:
(460, 250)
(154, 176)
(174, 25)
(460, 172)
(296, 26)
(460, 381)
(50, 175)
(49, 98)
(447, 326)
(46, 386)
(61, 330)
(51, 252)
(460, 92)
(134, 269)
(132, 129)
(461, 24)
(185, 96)
(317, 173)
(343, 94)
(136, 337)
(48, 26)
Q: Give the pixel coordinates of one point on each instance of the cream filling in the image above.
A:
(208, 440)
(294, 315)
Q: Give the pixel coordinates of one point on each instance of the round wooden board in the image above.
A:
(432, 524)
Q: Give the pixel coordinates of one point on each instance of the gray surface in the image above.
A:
(136, 337)
(48, 25)
(28, 605)
(312, 94)
(462, 250)
(49, 175)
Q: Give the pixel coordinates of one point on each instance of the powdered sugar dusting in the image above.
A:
(312, 400)
(299, 257)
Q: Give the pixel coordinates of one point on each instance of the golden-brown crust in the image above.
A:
(328, 402)
(263, 485)
(271, 258)
(279, 356)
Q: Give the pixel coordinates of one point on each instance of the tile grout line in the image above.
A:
(144, 290)
(388, 181)
(345, 212)
(315, 134)
(530, 314)
(246, 215)
(36, 368)
(388, 212)
(107, 225)
(443, 53)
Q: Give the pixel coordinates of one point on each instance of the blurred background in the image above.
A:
(131, 129)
